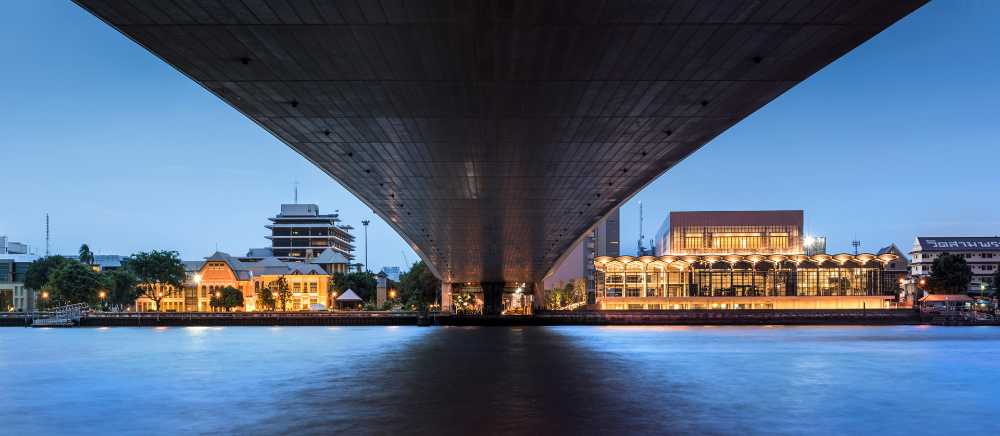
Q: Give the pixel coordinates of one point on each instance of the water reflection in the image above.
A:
(491, 380)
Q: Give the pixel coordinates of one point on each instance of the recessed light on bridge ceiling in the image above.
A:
(245, 60)
(757, 59)
(294, 103)
(326, 133)
(704, 102)
(668, 132)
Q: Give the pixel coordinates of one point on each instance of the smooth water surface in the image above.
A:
(492, 380)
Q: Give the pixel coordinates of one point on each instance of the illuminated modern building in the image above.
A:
(308, 282)
(300, 232)
(981, 253)
(731, 232)
(739, 260)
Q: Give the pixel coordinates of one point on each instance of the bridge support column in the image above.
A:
(492, 298)
(538, 296)
(446, 297)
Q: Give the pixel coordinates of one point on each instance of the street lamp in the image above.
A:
(45, 298)
(392, 294)
(101, 295)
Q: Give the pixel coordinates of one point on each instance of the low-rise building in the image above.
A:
(14, 296)
(896, 271)
(981, 253)
(308, 282)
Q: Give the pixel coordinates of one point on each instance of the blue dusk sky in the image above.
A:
(896, 139)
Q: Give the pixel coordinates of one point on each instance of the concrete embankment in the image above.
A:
(672, 317)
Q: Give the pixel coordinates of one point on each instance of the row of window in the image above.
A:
(726, 282)
(927, 268)
(930, 256)
(310, 231)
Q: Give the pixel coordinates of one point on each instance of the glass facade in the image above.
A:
(731, 232)
(741, 276)
(736, 239)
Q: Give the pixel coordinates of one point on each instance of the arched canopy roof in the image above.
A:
(820, 260)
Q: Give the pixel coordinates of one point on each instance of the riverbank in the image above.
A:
(671, 317)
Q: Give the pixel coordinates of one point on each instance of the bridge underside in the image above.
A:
(494, 134)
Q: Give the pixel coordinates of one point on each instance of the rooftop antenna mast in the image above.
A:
(47, 235)
(856, 244)
(296, 192)
(639, 248)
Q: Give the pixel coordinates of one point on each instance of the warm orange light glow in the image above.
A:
(392, 294)
(45, 295)
(101, 294)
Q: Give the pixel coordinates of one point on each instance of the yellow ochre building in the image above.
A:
(309, 282)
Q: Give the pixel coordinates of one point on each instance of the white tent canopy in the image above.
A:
(348, 296)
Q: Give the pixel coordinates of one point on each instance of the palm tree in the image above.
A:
(86, 256)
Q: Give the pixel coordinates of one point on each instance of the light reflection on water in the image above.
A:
(465, 380)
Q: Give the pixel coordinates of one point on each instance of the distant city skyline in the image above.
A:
(895, 140)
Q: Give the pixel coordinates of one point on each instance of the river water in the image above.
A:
(902, 380)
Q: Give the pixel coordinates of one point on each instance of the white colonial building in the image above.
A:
(981, 253)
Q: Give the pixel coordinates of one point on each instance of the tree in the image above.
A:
(362, 283)
(464, 303)
(121, 289)
(216, 301)
(265, 298)
(950, 274)
(231, 298)
(281, 292)
(86, 256)
(159, 274)
(38, 271)
(573, 291)
(74, 283)
(418, 286)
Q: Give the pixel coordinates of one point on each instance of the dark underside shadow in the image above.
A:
(482, 380)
